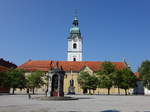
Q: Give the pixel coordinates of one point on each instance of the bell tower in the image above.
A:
(75, 42)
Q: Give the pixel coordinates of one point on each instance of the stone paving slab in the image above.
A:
(85, 103)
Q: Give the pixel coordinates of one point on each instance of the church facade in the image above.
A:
(72, 70)
(74, 64)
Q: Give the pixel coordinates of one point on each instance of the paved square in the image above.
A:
(93, 103)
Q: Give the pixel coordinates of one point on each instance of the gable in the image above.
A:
(87, 69)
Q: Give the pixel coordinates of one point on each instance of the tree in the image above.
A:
(144, 70)
(34, 80)
(92, 83)
(105, 75)
(128, 79)
(105, 81)
(16, 79)
(117, 79)
(83, 80)
(4, 80)
(106, 68)
(87, 81)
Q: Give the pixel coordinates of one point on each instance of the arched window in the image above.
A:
(74, 45)
(74, 59)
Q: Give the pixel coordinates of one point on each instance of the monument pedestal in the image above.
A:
(71, 90)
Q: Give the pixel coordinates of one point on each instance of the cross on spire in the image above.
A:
(75, 21)
(76, 12)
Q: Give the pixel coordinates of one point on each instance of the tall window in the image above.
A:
(74, 45)
(74, 59)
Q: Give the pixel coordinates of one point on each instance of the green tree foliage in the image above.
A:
(105, 75)
(4, 80)
(87, 81)
(16, 79)
(83, 79)
(117, 79)
(128, 79)
(105, 81)
(92, 83)
(144, 70)
(34, 80)
(106, 68)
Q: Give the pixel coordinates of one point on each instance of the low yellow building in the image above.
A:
(72, 70)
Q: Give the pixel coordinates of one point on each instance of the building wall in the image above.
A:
(67, 79)
(77, 55)
(78, 90)
(4, 90)
(146, 91)
(75, 52)
(74, 75)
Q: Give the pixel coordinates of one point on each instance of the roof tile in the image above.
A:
(44, 65)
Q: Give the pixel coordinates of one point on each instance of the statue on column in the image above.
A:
(71, 89)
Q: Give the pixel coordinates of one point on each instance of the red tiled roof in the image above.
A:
(76, 66)
(36, 65)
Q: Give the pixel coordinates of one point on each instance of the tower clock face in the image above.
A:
(75, 39)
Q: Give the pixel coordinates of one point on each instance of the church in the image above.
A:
(74, 64)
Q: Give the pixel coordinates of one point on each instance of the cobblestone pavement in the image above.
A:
(85, 103)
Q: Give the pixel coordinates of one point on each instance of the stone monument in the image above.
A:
(56, 80)
(71, 89)
(56, 84)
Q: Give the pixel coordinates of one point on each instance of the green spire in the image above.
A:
(75, 29)
(75, 21)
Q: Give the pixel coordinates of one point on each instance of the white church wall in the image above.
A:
(146, 91)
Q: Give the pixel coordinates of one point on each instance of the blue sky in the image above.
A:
(111, 29)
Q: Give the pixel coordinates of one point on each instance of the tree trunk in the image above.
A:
(89, 91)
(28, 90)
(93, 91)
(13, 91)
(108, 91)
(128, 92)
(118, 90)
(84, 91)
(33, 90)
(125, 91)
(46, 91)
